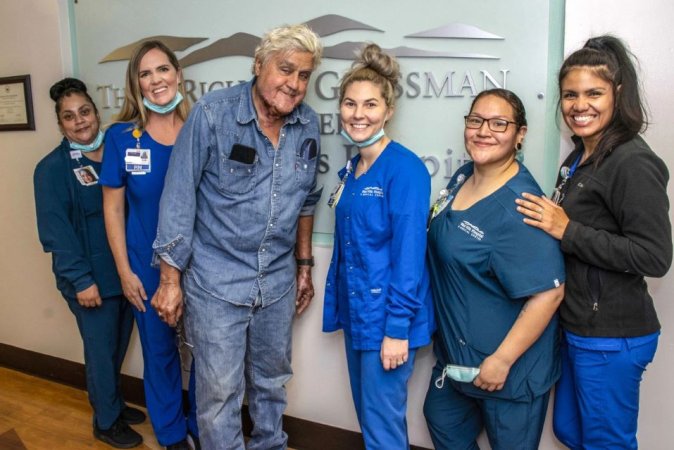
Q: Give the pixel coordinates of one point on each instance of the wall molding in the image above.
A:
(302, 434)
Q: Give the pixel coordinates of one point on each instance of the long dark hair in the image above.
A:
(610, 59)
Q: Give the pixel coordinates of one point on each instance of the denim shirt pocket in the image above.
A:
(304, 171)
(236, 177)
(306, 159)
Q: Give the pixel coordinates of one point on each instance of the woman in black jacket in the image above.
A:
(69, 207)
(611, 213)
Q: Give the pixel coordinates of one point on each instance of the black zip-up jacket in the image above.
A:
(619, 232)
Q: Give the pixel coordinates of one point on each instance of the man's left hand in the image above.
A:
(305, 288)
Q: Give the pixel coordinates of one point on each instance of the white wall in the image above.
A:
(33, 315)
(34, 39)
(646, 27)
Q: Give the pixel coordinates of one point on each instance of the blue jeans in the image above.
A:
(455, 420)
(239, 349)
(380, 398)
(105, 332)
(597, 396)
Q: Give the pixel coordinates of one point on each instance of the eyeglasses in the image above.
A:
(495, 124)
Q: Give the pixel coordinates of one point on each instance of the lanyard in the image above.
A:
(566, 172)
(337, 192)
(444, 198)
(574, 166)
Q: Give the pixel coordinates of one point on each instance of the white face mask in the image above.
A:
(462, 374)
(86, 148)
(366, 143)
(165, 109)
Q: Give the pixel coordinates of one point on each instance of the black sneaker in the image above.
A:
(119, 435)
(182, 445)
(132, 416)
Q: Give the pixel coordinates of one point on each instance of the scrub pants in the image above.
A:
(105, 332)
(455, 420)
(380, 398)
(162, 378)
(597, 396)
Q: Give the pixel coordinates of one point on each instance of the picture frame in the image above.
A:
(16, 104)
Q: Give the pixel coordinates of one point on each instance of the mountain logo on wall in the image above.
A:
(243, 44)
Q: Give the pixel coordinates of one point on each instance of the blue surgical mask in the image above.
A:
(164, 109)
(365, 143)
(88, 147)
(462, 374)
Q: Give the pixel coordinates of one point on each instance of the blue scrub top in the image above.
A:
(378, 282)
(143, 192)
(485, 263)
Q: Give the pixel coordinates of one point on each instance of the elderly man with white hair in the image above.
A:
(235, 225)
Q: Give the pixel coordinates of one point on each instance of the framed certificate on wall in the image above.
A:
(16, 104)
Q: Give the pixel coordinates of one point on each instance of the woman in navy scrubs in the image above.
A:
(134, 167)
(69, 210)
(610, 212)
(377, 288)
(496, 286)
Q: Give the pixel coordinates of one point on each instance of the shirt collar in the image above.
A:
(247, 111)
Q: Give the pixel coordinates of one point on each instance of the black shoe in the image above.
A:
(132, 416)
(182, 445)
(119, 435)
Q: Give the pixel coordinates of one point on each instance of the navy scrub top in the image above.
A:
(485, 263)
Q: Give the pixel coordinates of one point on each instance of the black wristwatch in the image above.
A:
(305, 262)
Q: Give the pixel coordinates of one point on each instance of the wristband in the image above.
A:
(305, 262)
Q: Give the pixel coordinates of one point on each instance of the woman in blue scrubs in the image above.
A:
(610, 212)
(377, 288)
(69, 210)
(496, 286)
(138, 148)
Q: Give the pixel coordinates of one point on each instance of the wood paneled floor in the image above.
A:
(37, 414)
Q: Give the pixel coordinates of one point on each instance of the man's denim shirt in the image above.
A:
(230, 225)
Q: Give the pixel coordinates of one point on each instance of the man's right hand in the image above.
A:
(168, 300)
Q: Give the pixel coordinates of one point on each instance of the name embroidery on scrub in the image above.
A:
(472, 230)
(372, 191)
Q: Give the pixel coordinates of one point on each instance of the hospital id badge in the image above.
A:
(138, 161)
(336, 195)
